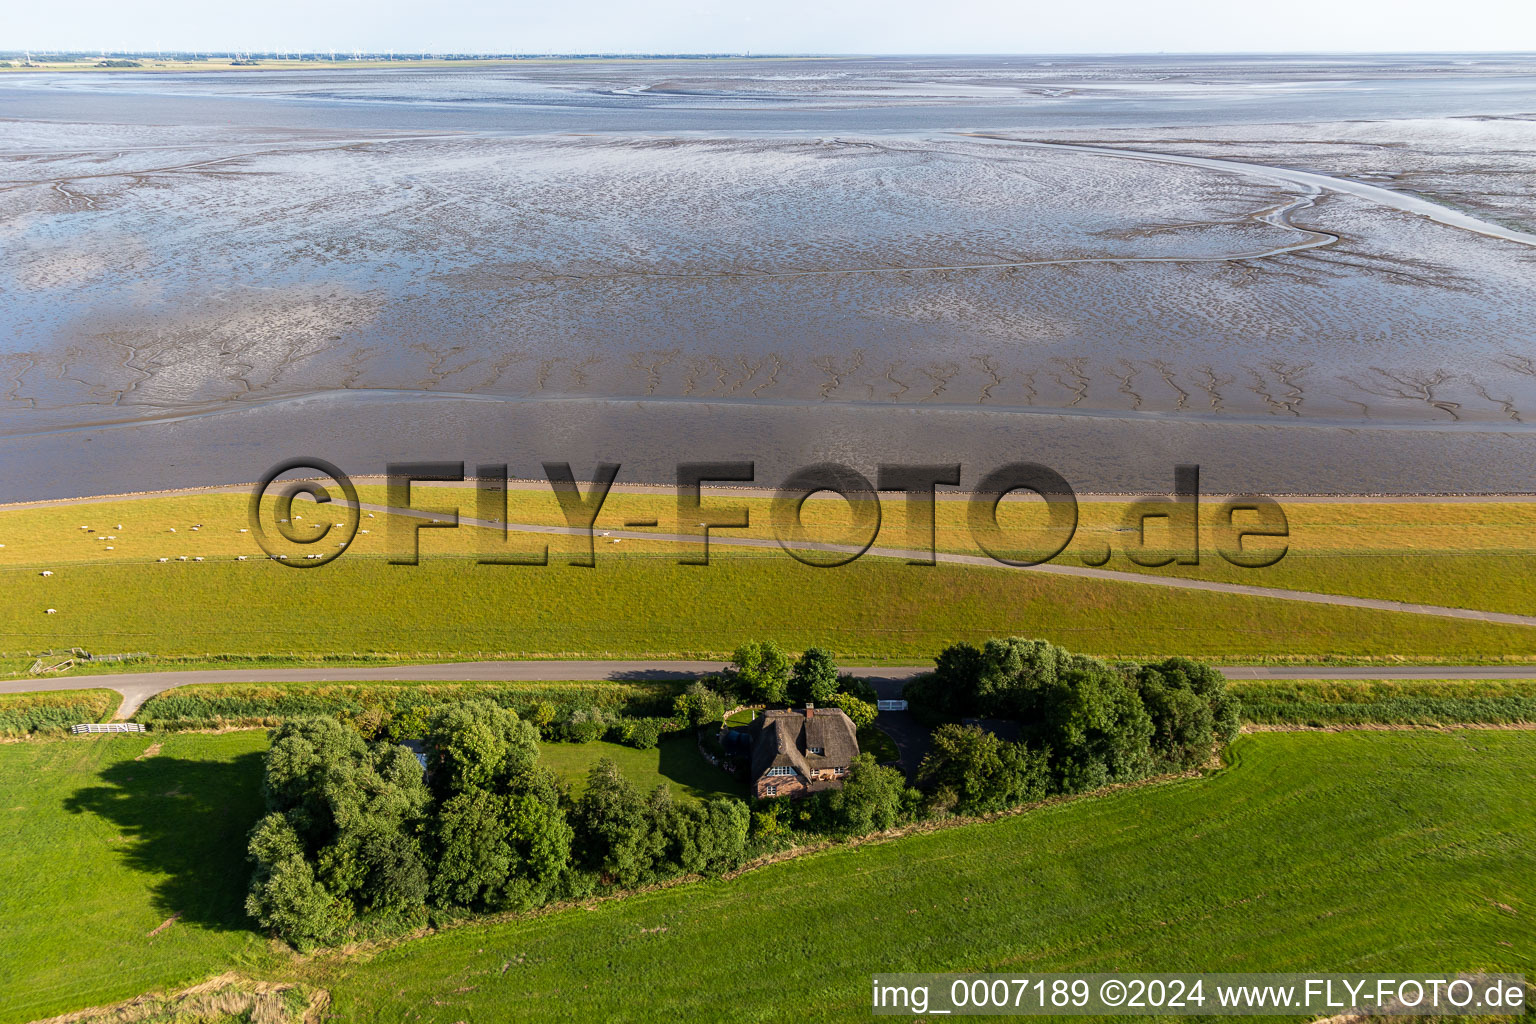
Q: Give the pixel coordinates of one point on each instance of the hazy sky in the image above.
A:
(801, 26)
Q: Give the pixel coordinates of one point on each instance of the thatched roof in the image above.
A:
(792, 737)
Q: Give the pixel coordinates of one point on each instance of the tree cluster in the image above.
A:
(1083, 722)
(357, 834)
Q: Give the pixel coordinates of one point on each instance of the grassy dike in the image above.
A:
(638, 601)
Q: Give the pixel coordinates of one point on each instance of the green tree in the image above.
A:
(1189, 707)
(615, 827)
(761, 670)
(814, 677)
(705, 839)
(976, 772)
(475, 854)
(284, 896)
(1096, 727)
(541, 840)
(699, 705)
(871, 799)
(476, 744)
(860, 713)
(357, 810)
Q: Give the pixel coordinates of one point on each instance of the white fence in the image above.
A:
(107, 727)
(890, 705)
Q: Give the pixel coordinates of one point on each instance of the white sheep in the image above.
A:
(47, 572)
(111, 548)
(370, 515)
(51, 611)
(245, 531)
(173, 529)
(239, 558)
(119, 526)
(181, 558)
(85, 527)
(162, 559)
(359, 531)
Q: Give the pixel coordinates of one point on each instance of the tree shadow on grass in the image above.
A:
(185, 822)
(685, 768)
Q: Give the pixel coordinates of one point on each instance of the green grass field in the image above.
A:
(640, 603)
(674, 762)
(1355, 851)
(99, 849)
(1389, 851)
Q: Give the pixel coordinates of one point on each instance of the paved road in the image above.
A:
(137, 687)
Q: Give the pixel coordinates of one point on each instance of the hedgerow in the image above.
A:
(23, 714)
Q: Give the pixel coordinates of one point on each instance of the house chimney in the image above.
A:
(809, 709)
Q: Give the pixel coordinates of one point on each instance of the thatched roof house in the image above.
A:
(798, 752)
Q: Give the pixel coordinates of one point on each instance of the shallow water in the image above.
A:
(1307, 274)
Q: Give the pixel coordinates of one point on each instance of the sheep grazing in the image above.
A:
(47, 572)
(111, 548)
(359, 531)
(245, 531)
(239, 558)
(119, 526)
(181, 558)
(85, 527)
(52, 611)
(370, 515)
(162, 559)
(199, 558)
(173, 529)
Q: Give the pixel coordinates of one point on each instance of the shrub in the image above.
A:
(22, 714)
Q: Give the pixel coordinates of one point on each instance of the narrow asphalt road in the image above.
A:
(137, 687)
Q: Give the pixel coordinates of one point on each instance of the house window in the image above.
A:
(819, 751)
(782, 769)
(770, 790)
